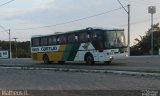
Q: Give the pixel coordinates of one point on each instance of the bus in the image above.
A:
(90, 45)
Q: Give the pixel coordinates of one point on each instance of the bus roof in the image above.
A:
(56, 33)
(108, 28)
(89, 28)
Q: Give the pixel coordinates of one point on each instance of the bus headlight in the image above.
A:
(126, 55)
(111, 57)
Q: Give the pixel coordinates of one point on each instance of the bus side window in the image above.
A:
(83, 37)
(89, 36)
(94, 40)
(62, 39)
(57, 39)
(44, 41)
(71, 38)
(76, 38)
(52, 40)
(35, 42)
(97, 40)
(94, 35)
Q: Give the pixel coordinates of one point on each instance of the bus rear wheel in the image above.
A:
(46, 59)
(61, 62)
(89, 59)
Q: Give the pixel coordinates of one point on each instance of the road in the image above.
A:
(18, 79)
(51, 80)
(145, 63)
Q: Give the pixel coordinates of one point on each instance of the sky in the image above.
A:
(26, 18)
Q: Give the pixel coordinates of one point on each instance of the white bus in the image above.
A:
(90, 45)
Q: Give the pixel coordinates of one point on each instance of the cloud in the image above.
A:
(43, 4)
(24, 7)
(50, 12)
(57, 11)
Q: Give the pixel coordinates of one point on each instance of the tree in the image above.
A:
(22, 47)
(143, 45)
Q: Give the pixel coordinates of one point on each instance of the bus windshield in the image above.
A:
(115, 39)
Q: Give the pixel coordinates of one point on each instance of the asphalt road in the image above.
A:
(19, 79)
(145, 63)
(51, 80)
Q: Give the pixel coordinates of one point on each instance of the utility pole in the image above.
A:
(15, 45)
(8, 32)
(10, 49)
(128, 12)
(128, 30)
(151, 10)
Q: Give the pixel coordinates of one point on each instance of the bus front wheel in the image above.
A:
(108, 62)
(89, 59)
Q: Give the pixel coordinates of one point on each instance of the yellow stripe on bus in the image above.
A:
(62, 47)
(57, 56)
(53, 56)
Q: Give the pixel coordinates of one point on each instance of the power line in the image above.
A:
(123, 25)
(1, 6)
(88, 17)
(4, 29)
(149, 2)
(7, 3)
(122, 6)
(142, 2)
(138, 22)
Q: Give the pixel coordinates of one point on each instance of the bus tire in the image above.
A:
(61, 62)
(89, 59)
(108, 62)
(46, 59)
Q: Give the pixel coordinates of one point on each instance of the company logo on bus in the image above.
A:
(85, 46)
(44, 49)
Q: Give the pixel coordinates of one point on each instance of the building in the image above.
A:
(3, 53)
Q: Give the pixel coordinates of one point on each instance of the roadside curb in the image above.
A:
(106, 71)
(113, 71)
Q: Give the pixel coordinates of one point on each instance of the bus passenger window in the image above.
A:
(58, 40)
(89, 36)
(62, 39)
(98, 40)
(52, 40)
(71, 38)
(76, 38)
(94, 35)
(35, 42)
(94, 41)
(83, 37)
(44, 41)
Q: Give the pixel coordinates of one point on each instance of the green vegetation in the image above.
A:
(23, 48)
(143, 46)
